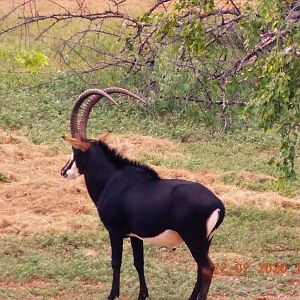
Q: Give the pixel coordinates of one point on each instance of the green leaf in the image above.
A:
(32, 60)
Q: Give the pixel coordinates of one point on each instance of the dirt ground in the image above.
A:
(34, 197)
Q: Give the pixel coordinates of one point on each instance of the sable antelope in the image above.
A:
(134, 202)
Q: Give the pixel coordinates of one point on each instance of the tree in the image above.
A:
(223, 53)
(226, 43)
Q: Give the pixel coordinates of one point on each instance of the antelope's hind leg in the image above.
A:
(138, 256)
(205, 267)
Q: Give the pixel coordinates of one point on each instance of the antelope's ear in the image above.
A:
(103, 137)
(77, 143)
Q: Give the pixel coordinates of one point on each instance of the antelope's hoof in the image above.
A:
(112, 297)
(143, 297)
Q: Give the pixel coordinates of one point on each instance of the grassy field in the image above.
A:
(76, 265)
(52, 244)
(54, 247)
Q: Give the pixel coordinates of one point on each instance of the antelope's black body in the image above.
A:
(133, 201)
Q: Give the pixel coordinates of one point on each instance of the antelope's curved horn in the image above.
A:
(75, 131)
(92, 102)
(118, 90)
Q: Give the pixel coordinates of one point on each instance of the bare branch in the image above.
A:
(267, 40)
(15, 9)
(235, 6)
(236, 102)
(156, 6)
(60, 6)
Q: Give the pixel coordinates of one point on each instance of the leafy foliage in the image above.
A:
(276, 92)
(31, 60)
(261, 50)
(276, 102)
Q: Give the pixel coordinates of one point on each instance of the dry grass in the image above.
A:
(63, 6)
(36, 198)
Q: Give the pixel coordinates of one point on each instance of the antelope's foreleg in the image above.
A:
(116, 240)
(138, 255)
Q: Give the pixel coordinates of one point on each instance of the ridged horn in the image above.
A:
(75, 132)
(92, 102)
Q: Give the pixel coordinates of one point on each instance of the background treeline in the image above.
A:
(226, 66)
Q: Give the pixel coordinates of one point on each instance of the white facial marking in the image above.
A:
(73, 172)
(211, 223)
(169, 238)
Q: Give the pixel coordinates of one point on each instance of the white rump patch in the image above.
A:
(169, 238)
(211, 223)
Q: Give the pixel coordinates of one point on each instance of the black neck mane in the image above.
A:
(120, 162)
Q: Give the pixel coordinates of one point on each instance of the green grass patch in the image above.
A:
(261, 183)
(68, 264)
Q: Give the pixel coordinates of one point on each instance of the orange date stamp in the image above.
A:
(242, 267)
